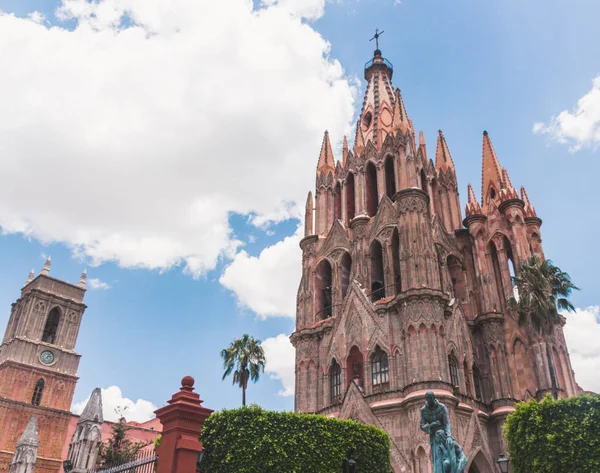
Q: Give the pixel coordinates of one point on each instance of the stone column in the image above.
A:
(182, 421)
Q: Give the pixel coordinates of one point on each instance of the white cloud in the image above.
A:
(135, 143)
(582, 332)
(581, 127)
(112, 400)
(267, 284)
(95, 283)
(281, 358)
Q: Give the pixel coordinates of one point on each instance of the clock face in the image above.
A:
(47, 357)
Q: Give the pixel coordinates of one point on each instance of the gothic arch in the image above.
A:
(390, 176)
(350, 197)
(51, 326)
(323, 290)
(478, 463)
(524, 374)
(377, 291)
(372, 195)
(345, 272)
(337, 201)
(422, 461)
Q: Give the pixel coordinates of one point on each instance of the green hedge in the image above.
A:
(555, 436)
(252, 440)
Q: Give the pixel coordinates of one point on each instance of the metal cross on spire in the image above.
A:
(376, 37)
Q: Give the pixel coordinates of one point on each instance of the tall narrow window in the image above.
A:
(354, 366)
(511, 266)
(453, 364)
(37, 392)
(51, 326)
(390, 179)
(337, 202)
(350, 210)
(456, 276)
(467, 379)
(377, 279)
(323, 294)
(423, 181)
(497, 275)
(346, 267)
(396, 262)
(477, 381)
(372, 196)
(380, 367)
(335, 381)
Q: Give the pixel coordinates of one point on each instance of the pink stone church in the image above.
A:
(400, 294)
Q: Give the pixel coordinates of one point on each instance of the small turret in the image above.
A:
(359, 141)
(345, 151)
(422, 145)
(46, 270)
(30, 277)
(529, 209)
(472, 207)
(326, 160)
(308, 215)
(25, 456)
(82, 279)
(85, 443)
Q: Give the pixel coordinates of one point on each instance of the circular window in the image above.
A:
(366, 121)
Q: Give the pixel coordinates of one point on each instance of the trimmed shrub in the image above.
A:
(252, 440)
(555, 436)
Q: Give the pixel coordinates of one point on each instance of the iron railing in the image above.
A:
(143, 463)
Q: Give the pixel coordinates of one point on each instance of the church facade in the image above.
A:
(400, 295)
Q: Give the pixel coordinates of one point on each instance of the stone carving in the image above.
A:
(447, 455)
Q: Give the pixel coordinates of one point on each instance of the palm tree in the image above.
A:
(245, 358)
(542, 291)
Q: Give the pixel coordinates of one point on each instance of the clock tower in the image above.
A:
(38, 366)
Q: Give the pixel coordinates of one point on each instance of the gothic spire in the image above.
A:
(472, 207)
(443, 160)
(491, 172)
(30, 434)
(529, 209)
(422, 144)
(359, 142)
(344, 151)
(82, 279)
(46, 269)
(30, 277)
(93, 409)
(326, 159)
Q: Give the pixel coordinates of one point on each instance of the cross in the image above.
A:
(376, 37)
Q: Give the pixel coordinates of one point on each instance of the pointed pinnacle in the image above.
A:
(422, 144)
(344, 151)
(443, 159)
(46, 269)
(326, 159)
(359, 142)
(491, 171)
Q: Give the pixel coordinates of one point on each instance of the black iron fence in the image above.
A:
(143, 463)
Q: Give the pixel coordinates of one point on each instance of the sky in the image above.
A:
(168, 145)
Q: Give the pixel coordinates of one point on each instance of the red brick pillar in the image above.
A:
(182, 421)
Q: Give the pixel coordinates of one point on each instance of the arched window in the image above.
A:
(380, 367)
(337, 202)
(453, 364)
(423, 181)
(346, 265)
(477, 381)
(37, 392)
(372, 196)
(335, 381)
(390, 179)
(51, 326)
(497, 274)
(396, 262)
(354, 366)
(323, 294)
(456, 275)
(511, 264)
(467, 379)
(350, 211)
(377, 279)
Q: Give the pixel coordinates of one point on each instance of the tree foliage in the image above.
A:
(245, 358)
(119, 449)
(543, 290)
(555, 436)
(252, 440)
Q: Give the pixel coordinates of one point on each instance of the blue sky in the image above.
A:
(159, 161)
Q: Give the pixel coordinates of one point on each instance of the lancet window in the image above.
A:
(51, 327)
(337, 202)
(477, 381)
(390, 179)
(372, 196)
(36, 399)
(396, 261)
(377, 277)
(380, 367)
(350, 209)
(346, 270)
(453, 365)
(335, 381)
(323, 294)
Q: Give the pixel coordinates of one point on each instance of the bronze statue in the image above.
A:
(446, 455)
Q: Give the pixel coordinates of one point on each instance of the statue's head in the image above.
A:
(430, 399)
